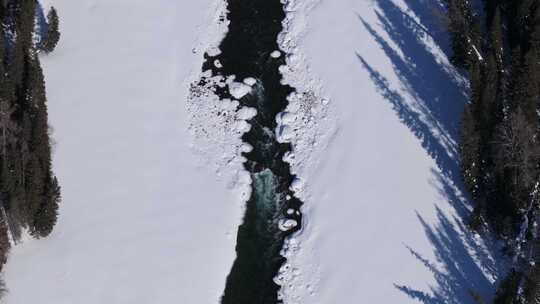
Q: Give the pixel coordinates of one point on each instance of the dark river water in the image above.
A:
(246, 52)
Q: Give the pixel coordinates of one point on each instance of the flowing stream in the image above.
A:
(272, 213)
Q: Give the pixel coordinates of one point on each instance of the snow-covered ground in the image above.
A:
(142, 219)
(383, 210)
(374, 128)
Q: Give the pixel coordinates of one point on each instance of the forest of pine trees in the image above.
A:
(499, 48)
(29, 191)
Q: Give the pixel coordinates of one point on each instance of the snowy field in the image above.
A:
(141, 221)
(145, 221)
(383, 210)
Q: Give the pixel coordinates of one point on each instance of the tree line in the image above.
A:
(29, 190)
(499, 48)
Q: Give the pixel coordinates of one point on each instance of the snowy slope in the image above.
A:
(383, 210)
(142, 221)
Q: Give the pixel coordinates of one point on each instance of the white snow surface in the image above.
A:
(239, 89)
(374, 130)
(143, 220)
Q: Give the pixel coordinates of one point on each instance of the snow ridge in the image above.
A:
(309, 124)
(217, 125)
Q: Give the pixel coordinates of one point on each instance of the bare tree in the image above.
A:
(517, 149)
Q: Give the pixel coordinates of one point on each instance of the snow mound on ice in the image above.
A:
(275, 54)
(308, 122)
(250, 81)
(287, 224)
(295, 287)
(239, 89)
(217, 126)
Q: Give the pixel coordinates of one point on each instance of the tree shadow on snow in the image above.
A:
(464, 267)
(429, 100)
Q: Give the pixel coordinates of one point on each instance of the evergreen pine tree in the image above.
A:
(463, 30)
(53, 32)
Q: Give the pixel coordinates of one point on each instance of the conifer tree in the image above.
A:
(29, 191)
(463, 29)
(500, 148)
(53, 32)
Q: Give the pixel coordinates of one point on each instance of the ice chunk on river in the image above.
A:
(238, 89)
(287, 224)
